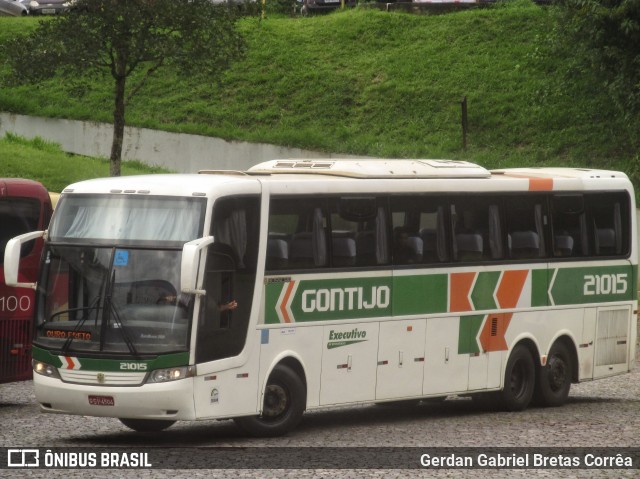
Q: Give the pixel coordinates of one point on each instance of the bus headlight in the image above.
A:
(45, 369)
(171, 374)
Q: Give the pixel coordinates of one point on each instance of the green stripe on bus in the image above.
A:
(44, 356)
(482, 294)
(92, 364)
(271, 294)
(593, 284)
(539, 287)
(301, 300)
(469, 329)
(420, 294)
(352, 298)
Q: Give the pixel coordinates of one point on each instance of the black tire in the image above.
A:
(553, 380)
(285, 400)
(519, 380)
(147, 425)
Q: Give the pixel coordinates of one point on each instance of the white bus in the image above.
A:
(301, 284)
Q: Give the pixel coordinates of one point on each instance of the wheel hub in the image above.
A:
(275, 401)
(557, 374)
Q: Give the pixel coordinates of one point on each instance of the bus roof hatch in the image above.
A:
(374, 168)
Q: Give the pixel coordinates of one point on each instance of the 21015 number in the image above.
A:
(15, 303)
(605, 284)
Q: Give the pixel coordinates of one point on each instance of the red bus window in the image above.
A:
(18, 216)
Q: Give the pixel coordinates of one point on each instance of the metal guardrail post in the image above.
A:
(465, 122)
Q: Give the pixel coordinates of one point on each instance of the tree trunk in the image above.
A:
(118, 127)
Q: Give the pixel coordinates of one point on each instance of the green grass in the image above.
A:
(45, 162)
(382, 84)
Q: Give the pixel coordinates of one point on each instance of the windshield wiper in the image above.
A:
(110, 307)
(123, 329)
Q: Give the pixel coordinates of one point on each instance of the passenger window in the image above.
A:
(610, 223)
(475, 222)
(525, 220)
(570, 235)
(358, 232)
(419, 231)
(297, 234)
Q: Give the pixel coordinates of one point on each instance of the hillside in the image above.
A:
(383, 84)
(45, 162)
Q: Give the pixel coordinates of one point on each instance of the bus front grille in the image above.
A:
(100, 378)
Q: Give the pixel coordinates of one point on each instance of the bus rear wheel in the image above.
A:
(554, 378)
(147, 425)
(284, 402)
(519, 380)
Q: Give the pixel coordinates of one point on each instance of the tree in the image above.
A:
(129, 40)
(604, 36)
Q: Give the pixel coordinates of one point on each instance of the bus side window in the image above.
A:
(277, 253)
(419, 230)
(525, 223)
(297, 236)
(358, 232)
(570, 235)
(609, 214)
(477, 230)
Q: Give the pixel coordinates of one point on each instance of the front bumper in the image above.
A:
(172, 400)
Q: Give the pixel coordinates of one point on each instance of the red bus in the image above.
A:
(25, 206)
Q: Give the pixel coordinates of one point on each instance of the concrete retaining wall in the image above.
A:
(179, 152)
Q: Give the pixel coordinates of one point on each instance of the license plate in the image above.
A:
(49, 11)
(101, 401)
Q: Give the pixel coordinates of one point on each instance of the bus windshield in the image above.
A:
(130, 219)
(112, 300)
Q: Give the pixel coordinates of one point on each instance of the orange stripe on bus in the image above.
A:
(460, 285)
(535, 184)
(540, 184)
(492, 335)
(510, 288)
(285, 301)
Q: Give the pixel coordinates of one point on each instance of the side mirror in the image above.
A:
(191, 264)
(12, 259)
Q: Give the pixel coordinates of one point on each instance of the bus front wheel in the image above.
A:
(519, 380)
(554, 378)
(146, 425)
(284, 403)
